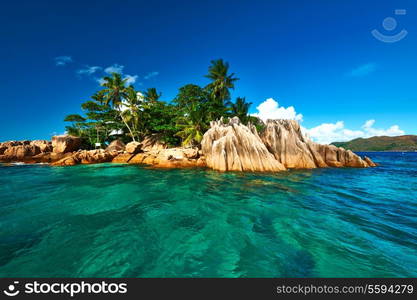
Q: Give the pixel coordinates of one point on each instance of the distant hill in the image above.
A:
(381, 143)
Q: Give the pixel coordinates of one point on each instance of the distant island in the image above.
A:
(381, 143)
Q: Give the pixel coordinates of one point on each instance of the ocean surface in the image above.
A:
(112, 220)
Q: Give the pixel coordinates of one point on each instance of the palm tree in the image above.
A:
(98, 97)
(132, 109)
(77, 122)
(221, 80)
(115, 92)
(192, 126)
(240, 109)
(152, 95)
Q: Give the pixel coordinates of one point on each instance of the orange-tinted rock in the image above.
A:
(44, 146)
(201, 162)
(138, 158)
(123, 158)
(191, 153)
(133, 147)
(86, 157)
(370, 162)
(169, 158)
(116, 145)
(65, 143)
(19, 152)
(23, 151)
(152, 142)
(48, 157)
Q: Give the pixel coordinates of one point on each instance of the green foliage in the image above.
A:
(192, 125)
(194, 106)
(240, 109)
(99, 122)
(159, 118)
(132, 112)
(222, 81)
(219, 88)
(74, 118)
(120, 111)
(151, 95)
(114, 90)
(190, 95)
(114, 93)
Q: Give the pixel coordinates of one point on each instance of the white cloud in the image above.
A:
(100, 81)
(362, 70)
(327, 133)
(97, 71)
(270, 109)
(151, 74)
(114, 69)
(391, 131)
(88, 70)
(130, 79)
(62, 60)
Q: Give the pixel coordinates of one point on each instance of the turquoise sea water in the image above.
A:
(131, 221)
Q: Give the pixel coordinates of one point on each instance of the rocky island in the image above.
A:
(138, 128)
(153, 131)
(226, 146)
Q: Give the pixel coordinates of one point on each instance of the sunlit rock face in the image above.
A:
(133, 147)
(86, 157)
(152, 142)
(23, 150)
(236, 147)
(65, 143)
(233, 146)
(285, 141)
(165, 158)
(230, 146)
(116, 145)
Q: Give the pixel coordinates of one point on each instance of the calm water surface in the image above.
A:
(131, 221)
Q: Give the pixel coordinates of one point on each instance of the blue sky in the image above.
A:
(317, 56)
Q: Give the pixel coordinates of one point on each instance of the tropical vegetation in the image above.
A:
(119, 111)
